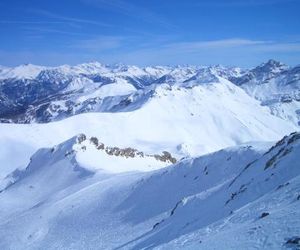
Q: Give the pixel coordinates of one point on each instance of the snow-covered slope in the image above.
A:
(276, 86)
(242, 197)
(257, 209)
(30, 93)
(123, 157)
(192, 118)
(24, 71)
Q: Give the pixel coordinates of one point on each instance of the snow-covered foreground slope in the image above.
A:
(186, 119)
(245, 197)
(137, 158)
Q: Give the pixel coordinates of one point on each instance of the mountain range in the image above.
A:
(98, 156)
(30, 93)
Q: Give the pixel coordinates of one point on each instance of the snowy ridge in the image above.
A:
(277, 86)
(249, 191)
(93, 156)
(25, 71)
(60, 159)
(252, 195)
(98, 156)
(168, 118)
(42, 94)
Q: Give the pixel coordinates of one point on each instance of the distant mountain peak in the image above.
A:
(273, 65)
(206, 75)
(36, 93)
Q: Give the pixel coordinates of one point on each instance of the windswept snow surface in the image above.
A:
(122, 157)
(244, 197)
(25, 71)
(186, 121)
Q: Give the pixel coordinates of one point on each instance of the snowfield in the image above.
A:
(242, 197)
(100, 156)
(186, 121)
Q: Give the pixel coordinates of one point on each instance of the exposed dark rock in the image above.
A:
(141, 154)
(264, 214)
(69, 153)
(166, 156)
(95, 141)
(125, 152)
(157, 224)
(293, 242)
(81, 138)
(101, 146)
(176, 206)
(282, 185)
(272, 161)
(279, 143)
(294, 138)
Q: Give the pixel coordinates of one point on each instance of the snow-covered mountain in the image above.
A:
(276, 86)
(30, 93)
(98, 156)
(44, 94)
(186, 119)
(24, 71)
(245, 197)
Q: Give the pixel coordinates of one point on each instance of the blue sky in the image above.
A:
(232, 32)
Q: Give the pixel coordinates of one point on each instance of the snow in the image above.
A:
(204, 118)
(183, 206)
(25, 71)
(91, 158)
(30, 71)
(276, 86)
(112, 89)
(102, 180)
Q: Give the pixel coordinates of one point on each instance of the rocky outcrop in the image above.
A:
(128, 152)
(166, 156)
